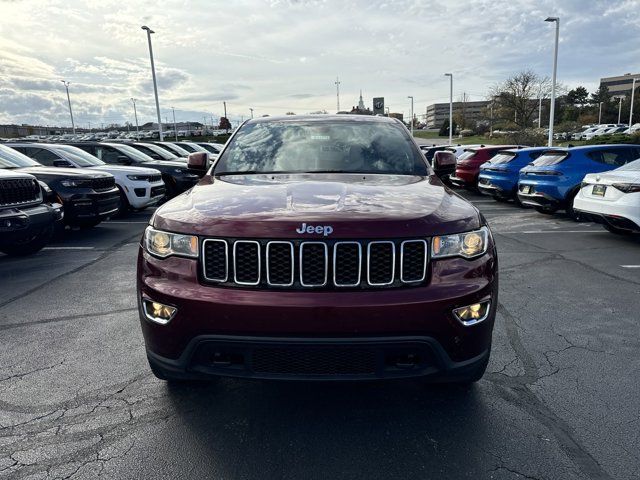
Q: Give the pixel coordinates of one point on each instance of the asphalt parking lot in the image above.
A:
(77, 399)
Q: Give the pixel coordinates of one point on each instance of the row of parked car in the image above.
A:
(44, 186)
(600, 183)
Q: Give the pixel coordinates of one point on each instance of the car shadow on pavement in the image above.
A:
(259, 429)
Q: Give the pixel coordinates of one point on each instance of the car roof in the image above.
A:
(324, 119)
(592, 147)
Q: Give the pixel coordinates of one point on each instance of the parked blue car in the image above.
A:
(499, 176)
(552, 181)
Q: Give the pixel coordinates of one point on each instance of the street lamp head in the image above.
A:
(144, 27)
(551, 19)
(448, 74)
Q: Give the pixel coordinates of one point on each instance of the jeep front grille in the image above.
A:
(19, 191)
(327, 264)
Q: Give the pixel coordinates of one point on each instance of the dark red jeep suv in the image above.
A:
(318, 248)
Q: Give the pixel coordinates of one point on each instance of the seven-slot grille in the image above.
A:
(296, 264)
(19, 191)
(154, 178)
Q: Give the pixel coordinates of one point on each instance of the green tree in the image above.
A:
(579, 96)
(444, 129)
(225, 124)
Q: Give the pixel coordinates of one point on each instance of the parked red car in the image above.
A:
(318, 248)
(468, 165)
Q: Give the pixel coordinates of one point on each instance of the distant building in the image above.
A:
(439, 112)
(621, 85)
(361, 109)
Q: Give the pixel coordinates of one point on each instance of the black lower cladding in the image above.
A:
(294, 360)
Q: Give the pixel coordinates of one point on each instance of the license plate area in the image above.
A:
(526, 189)
(599, 190)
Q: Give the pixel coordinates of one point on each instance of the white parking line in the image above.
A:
(630, 266)
(68, 248)
(127, 222)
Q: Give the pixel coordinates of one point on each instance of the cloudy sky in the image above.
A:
(278, 56)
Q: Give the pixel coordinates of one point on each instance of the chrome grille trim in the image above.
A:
(326, 264)
(393, 264)
(235, 272)
(226, 260)
(335, 254)
(293, 263)
(424, 268)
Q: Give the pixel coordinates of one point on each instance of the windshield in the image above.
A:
(551, 158)
(132, 152)
(467, 155)
(337, 146)
(9, 158)
(149, 148)
(79, 157)
(175, 149)
(630, 167)
(503, 157)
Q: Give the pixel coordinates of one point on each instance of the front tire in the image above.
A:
(124, 208)
(31, 246)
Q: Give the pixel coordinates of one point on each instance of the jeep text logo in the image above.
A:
(319, 229)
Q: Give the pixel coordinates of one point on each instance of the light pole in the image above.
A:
(540, 107)
(600, 113)
(619, 108)
(387, 109)
(155, 84)
(552, 108)
(66, 86)
(633, 92)
(175, 128)
(135, 114)
(411, 97)
(450, 75)
(251, 109)
(337, 94)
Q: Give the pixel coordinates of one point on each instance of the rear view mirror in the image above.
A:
(198, 161)
(444, 163)
(62, 163)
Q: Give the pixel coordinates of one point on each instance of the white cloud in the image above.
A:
(283, 56)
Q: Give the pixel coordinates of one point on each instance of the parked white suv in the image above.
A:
(139, 187)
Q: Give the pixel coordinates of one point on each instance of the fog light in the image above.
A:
(472, 314)
(158, 312)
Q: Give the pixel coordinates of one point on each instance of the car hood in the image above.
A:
(275, 206)
(124, 170)
(178, 162)
(56, 172)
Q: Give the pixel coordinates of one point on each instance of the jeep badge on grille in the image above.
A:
(324, 230)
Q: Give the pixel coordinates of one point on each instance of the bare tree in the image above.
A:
(516, 99)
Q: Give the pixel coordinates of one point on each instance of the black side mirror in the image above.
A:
(124, 160)
(198, 161)
(444, 164)
(62, 163)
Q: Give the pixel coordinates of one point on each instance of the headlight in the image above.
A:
(467, 245)
(138, 177)
(75, 183)
(164, 244)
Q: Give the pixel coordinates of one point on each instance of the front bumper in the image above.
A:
(92, 205)
(400, 319)
(17, 224)
(290, 358)
(144, 194)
